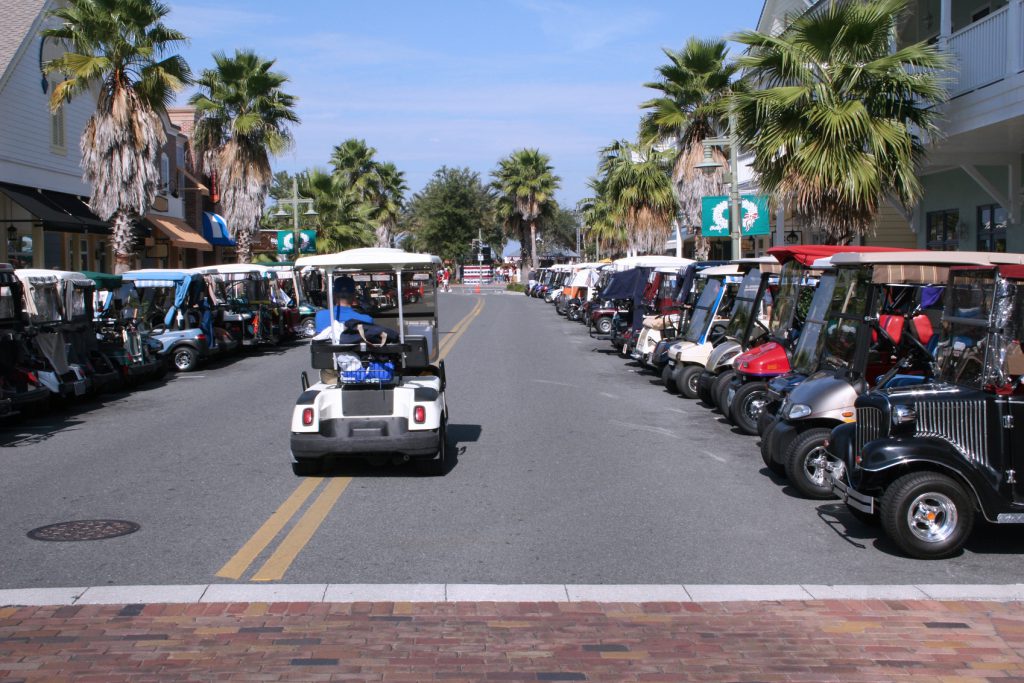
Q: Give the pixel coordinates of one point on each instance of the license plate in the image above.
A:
(79, 387)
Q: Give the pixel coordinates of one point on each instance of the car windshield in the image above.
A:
(808, 346)
(845, 316)
(704, 313)
(980, 345)
(377, 293)
(791, 299)
(742, 310)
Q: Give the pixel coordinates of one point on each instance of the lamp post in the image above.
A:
(294, 202)
(709, 166)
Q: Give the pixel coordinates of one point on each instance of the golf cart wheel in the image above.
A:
(668, 380)
(308, 327)
(747, 406)
(604, 326)
(307, 467)
(438, 465)
(185, 358)
(687, 380)
(414, 298)
(704, 392)
(805, 464)
(766, 456)
(927, 514)
(720, 391)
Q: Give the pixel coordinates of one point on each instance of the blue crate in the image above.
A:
(372, 372)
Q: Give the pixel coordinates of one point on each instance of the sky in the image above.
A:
(460, 82)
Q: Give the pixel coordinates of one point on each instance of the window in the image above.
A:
(165, 173)
(57, 143)
(991, 228)
(942, 230)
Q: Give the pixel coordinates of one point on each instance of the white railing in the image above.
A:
(980, 52)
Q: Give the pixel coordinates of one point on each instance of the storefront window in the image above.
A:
(991, 228)
(19, 251)
(942, 230)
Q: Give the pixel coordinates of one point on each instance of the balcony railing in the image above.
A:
(979, 52)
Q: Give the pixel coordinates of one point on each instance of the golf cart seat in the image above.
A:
(412, 355)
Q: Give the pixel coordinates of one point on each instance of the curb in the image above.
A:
(454, 592)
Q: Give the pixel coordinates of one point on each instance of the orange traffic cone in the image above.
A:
(477, 290)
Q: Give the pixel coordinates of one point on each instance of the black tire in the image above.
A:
(687, 378)
(907, 504)
(747, 405)
(184, 358)
(704, 390)
(604, 325)
(307, 467)
(308, 327)
(438, 465)
(766, 457)
(805, 464)
(720, 391)
(668, 380)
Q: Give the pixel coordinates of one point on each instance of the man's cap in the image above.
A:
(344, 285)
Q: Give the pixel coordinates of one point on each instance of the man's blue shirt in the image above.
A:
(341, 314)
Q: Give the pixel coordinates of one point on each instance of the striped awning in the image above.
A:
(215, 230)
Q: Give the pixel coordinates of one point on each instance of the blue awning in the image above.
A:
(215, 230)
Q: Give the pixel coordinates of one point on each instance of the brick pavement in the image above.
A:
(486, 641)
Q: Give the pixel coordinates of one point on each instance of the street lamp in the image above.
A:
(709, 166)
(294, 202)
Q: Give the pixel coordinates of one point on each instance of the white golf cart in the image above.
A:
(378, 398)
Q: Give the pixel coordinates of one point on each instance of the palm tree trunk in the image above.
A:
(244, 249)
(533, 244)
(122, 241)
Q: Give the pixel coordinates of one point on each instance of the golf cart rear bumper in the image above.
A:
(365, 435)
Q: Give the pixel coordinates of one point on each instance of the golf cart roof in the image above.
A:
(234, 268)
(103, 280)
(808, 254)
(157, 277)
(561, 267)
(651, 261)
(922, 257)
(41, 275)
(371, 258)
(727, 269)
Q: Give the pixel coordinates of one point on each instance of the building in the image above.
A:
(44, 217)
(972, 177)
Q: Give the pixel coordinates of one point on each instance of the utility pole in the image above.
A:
(294, 202)
(709, 166)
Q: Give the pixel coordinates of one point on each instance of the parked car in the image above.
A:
(925, 461)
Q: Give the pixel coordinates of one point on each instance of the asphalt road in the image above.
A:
(573, 467)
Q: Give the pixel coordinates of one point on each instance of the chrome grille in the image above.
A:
(869, 426)
(962, 423)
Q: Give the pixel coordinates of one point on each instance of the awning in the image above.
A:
(180, 233)
(215, 230)
(57, 211)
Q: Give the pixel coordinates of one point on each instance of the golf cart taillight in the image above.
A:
(307, 417)
(201, 337)
(419, 415)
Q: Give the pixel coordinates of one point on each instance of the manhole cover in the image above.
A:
(84, 530)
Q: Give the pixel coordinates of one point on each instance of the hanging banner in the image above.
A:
(286, 242)
(714, 213)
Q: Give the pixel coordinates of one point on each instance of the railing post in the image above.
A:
(1013, 37)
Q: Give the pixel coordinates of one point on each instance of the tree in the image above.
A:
(355, 166)
(385, 202)
(695, 85)
(342, 217)
(244, 118)
(526, 178)
(449, 213)
(838, 122)
(639, 190)
(599, 220)
(120, 46)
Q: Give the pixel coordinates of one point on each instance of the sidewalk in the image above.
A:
(809, 640)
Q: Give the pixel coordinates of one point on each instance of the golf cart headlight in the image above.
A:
(798, 411)
(903, 415)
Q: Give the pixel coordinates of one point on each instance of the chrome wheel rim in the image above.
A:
(691, 382)
(309, 328)
(814, 466)
(932, 517)
(754, 406)
(182, 359)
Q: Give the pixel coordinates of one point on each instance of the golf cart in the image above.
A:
(924, 461)
(20, 388)
(686, 357)
(747, 326)
(244, 302)
(79, 330)
(300, 312)
(378, 397)
(878, 331)
(116, 320)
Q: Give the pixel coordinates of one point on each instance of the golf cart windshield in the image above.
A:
(43, 301)
(792, 297)
(981, 331)
(704, 312)
(743, 309)
(808, 346)
(8, 306)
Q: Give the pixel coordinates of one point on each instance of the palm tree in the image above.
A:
(243, 121)
(640, 192)
(386, 199)
(695, 86)
(599, 219)
(839, 121)
(342, 216)
(527, 180)
(353, 162)
(121, 46)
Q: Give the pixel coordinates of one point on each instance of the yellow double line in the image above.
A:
(274, 568)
